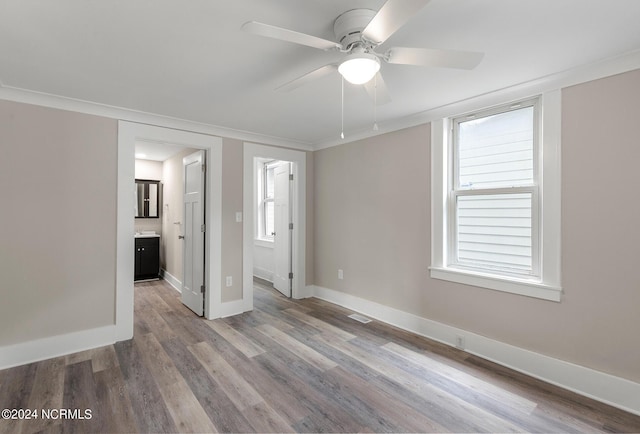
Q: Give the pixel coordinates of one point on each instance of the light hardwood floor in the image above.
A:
(287, 366)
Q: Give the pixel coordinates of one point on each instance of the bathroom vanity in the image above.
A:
(147, 256)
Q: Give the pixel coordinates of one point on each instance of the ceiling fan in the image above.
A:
(358, 33)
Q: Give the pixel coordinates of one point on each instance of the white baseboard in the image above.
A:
(263, 274)
(171, 280)
(55, 346)
(231, 308)
(306, 292)
(606, 388)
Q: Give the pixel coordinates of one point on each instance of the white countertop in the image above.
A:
(146, 235)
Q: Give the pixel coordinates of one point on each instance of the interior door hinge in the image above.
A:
(204, 167)
(290, 225)
(202, 228)
(290, 275)
(291, 177)
(202, 289)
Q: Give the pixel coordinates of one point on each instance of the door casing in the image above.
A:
(252, 152)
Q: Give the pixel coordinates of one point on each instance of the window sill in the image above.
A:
(263, 243)
(498, 283)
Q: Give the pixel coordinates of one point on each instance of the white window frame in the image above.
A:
(265, 200)
(261, 237)
(457, 191)
(545, 281)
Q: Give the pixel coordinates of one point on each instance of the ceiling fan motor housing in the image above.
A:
(348, 27)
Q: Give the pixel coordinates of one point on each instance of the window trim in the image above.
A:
(547, 284)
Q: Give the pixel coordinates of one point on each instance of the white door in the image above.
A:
(282, 241)
(193, 252)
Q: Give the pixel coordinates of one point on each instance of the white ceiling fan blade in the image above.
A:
(311, 76)
(288, 35)
(434, 57)
(377, 90)
(391, 16)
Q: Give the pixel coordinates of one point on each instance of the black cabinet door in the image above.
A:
(147, 255)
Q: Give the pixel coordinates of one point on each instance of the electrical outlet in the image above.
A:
(340, 274)
(229, 281)
(460, 342)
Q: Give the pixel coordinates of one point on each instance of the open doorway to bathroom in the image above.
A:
(166, 242)
(170, 223)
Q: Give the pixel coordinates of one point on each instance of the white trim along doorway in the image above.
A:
(128, 134)
(253, 152)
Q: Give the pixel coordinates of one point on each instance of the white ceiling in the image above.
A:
(190, 60)
(156, 151)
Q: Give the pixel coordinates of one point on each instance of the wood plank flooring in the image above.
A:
(287, 366)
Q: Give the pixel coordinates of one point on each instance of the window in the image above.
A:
(493, 225)
(266, 224)
(490, 228)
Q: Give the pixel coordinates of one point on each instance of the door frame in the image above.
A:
(128, 133)
(299, 206)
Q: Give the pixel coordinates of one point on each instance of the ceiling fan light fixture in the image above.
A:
(359, 68)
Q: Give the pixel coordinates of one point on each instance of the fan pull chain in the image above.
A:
(342, 106)
(375, 103)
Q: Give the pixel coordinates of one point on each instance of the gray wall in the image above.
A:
(58, 174)
(372, 219)
(310, 253)
(232, 157)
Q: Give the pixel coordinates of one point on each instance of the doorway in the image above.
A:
(273, 219)
(175, 227)
(291, 234)
(128, 134)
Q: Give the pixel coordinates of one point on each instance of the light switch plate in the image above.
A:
(238, 216)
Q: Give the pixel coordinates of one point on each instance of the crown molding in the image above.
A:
(570, 77)
(26, 96)
(611, 66)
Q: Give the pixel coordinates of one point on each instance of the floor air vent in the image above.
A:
(360, 318)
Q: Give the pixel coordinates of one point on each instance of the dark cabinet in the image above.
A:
(147, 255)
